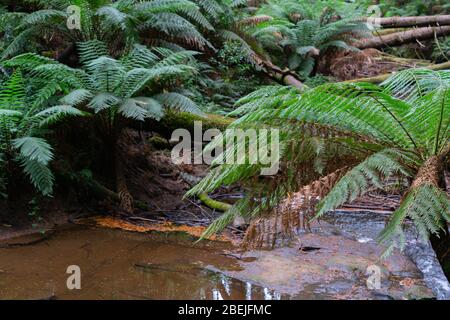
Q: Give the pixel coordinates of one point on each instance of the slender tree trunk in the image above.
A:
(402, 22)
(125, 198)
(441, 242)
(400, 38)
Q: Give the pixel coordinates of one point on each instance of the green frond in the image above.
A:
(34, 149)
(28, 61)
(39, 174)
(19, 42)
(211, 7)
(43, 16)
(153, 107)
(366, 175)
(76, 97)
(178, 101)
(55, 114)
(103, 101)
(139, 57)
(91, 50)
(129, 108)
(113, 16)
(427, 206)
(224, 220)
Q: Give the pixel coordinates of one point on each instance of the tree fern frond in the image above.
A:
(42, 16)
(129, 108)
(103, 101)
(55, 114)
(428, 207)
(153, 107)
(91, 50)
(39, 174)
(357, 181)
(77, 97)
(34, 149)
(178, 101)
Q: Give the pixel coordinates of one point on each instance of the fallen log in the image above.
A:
(415, 21)
(382, 77)
(400, 38)
(285, 76)
(385, 32)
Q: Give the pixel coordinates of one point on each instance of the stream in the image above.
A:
(332, 262)
(122, 265)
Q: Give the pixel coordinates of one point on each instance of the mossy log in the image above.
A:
(183, 120)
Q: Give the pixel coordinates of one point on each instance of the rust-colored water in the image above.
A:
(121, 265)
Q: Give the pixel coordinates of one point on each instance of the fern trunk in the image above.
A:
(441, 242)
(125, 198)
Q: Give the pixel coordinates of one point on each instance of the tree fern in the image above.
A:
(22, 140)
(297, 32)
(119, 23)
(398, 130)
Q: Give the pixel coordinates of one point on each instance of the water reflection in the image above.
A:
(119, 265)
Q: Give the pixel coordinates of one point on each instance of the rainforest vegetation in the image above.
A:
(359, 91)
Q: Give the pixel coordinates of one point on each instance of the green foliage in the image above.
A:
(22, 131)
(413, 7)
(298, 34)
(110, 87)
(441, 50)
(382, 126)
(118, 23)
(227, 77)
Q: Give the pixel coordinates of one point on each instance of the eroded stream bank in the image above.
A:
(117, 264)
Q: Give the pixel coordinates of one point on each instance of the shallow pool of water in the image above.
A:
(121, 265)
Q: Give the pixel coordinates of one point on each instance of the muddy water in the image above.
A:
(121, 265)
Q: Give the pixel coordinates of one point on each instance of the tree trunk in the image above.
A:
(441, 241)
(125, 197)
(402, 22)
(400, 38)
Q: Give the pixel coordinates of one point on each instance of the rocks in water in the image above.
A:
(424, 257)
(325, 264)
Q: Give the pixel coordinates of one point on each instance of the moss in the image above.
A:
(158, 142)
(183, 120)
